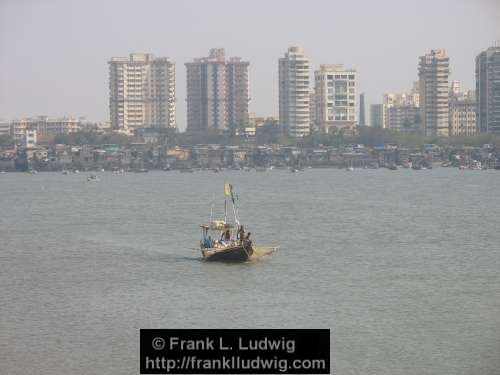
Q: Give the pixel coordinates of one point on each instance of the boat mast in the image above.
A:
(212, 211)
(235, 212)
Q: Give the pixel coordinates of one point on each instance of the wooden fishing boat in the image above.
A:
(223, 241)
(228, 253)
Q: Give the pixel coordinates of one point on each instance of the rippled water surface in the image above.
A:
(402, 266)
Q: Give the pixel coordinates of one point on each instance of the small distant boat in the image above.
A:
(32, 171)
(393, 167)
(76, 171)
(349, 167)
(92, 178)
(116, 170)
(65, 172)
(2, 172)
(475, 165)
(141, 170)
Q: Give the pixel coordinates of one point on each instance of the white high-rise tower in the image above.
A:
(142, 92)
(433, 71)
(294, 93)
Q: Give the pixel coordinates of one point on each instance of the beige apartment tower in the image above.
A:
(142, 92)
(217, 92)
(433, 71)
(402, 111)
(462, 111)
(294, 94)
(335, 88)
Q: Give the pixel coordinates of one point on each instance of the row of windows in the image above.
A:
(336, 76)
(340, 118)
(341, 90)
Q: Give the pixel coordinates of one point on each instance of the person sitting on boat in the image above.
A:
(208, 242)
(226, 236)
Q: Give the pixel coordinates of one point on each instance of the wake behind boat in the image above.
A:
(227, 242)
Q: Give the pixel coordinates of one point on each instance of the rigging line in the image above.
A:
(225, 210)
(212, 204)
(235, 208)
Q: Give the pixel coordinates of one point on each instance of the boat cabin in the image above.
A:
(219, 234)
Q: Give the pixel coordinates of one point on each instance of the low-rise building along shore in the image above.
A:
(44, 126)
(141, 155)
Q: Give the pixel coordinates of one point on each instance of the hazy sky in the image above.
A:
(54, 53)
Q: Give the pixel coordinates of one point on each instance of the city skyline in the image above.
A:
(70, 76)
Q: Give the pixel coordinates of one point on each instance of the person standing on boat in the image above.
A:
(247, 240)
(241, 234)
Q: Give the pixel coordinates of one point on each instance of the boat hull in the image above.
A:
(229, 254)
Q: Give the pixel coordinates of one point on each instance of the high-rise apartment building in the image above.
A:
(294, 95)
(142, 92)
(455, 88)
(5, 128)
(362, 120)
(433, 71)
(488, 90)
(335, 88)
(462, 111)
(312, 109)
(462, 116)
(217, 92)
(377, 115)
(403, 118)
(401, 111)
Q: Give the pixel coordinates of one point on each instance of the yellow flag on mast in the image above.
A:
(227, 189)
